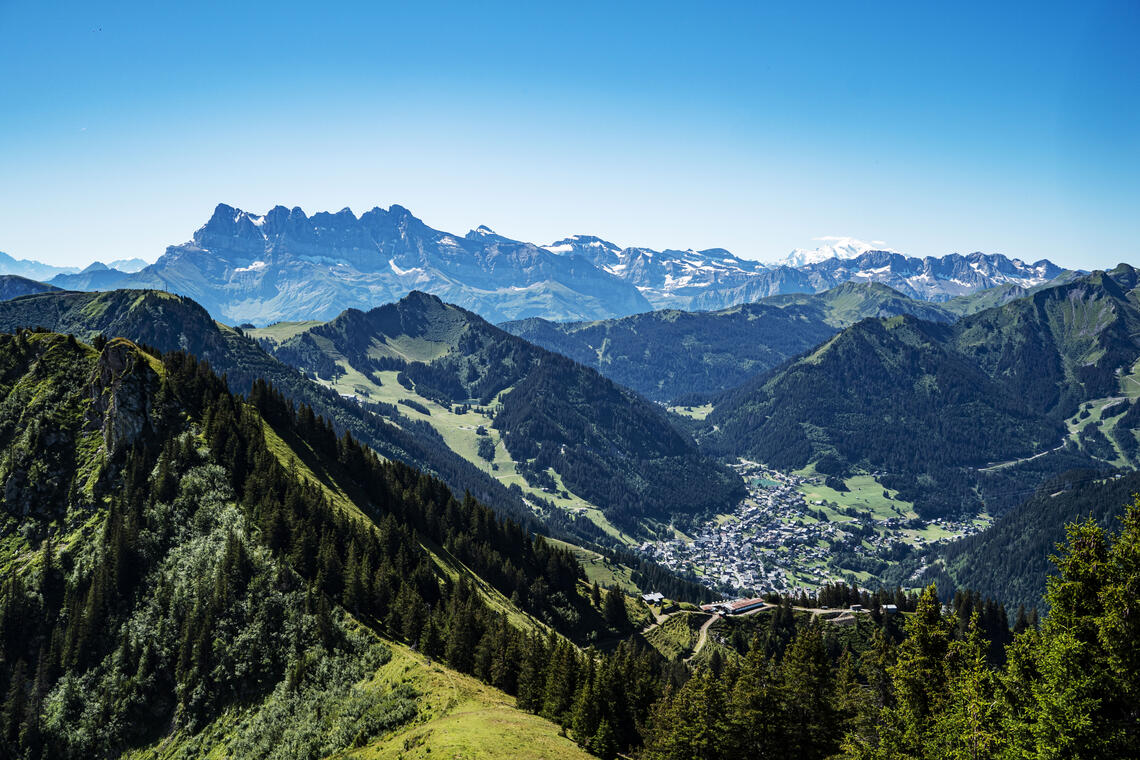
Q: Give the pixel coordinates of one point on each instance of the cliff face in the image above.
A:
(123, 387)
(67, 412)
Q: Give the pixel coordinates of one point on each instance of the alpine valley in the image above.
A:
(339, 486)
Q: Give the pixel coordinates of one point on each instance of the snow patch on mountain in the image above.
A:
(834, 247)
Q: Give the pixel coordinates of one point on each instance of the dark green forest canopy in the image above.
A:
(1070, 688)
(163, 507)
(1010, 559)
(669, 354)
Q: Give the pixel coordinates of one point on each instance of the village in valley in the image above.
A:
(792, 533)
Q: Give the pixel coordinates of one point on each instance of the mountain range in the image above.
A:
(191, 572)
(13, 286)
(832, 248)
(236, 579)
(565, 436)
(715, 278)
(565, 427)
(286, 265)
(35, 270)
(669, 353)
(949, 413)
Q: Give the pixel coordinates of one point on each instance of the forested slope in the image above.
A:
(1010, 559)
(605, 443)
(666, 355)
(175, 323)
(934, 407)
(164, 565)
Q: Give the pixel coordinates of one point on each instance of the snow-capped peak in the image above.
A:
(582, 243)
(833, 247)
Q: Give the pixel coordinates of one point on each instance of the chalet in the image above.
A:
(890, 609)
(856, 608)
(654, 598)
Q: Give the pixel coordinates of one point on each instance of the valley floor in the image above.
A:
(793, 533)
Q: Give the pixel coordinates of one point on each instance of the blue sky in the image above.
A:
(756, 127)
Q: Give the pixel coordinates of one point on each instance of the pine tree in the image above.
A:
(532, 675)
(614, 610)
(586, 713)
(807, 695)
(604, 742)
(755, 716)
(969, 727)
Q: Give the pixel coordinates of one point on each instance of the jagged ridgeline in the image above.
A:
(185, 566)
(605, 443)
(176, 323)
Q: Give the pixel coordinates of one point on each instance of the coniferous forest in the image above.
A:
(185, 552)
(742, 381)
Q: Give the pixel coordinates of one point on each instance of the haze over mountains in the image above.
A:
(287, 265)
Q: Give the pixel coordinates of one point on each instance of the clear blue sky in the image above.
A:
(753, 126)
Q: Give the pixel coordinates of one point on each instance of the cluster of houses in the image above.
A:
(763, 543)
(773, 541)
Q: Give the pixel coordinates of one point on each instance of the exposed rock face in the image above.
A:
(121, 392)
(286, 265)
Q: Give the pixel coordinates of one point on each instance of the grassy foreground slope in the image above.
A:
(455, 716)
(461, 717)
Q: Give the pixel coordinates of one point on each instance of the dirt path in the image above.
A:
(703, 637)
(1012, 462)
(657, 620)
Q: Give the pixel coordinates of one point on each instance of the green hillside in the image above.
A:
(851, 302)
(189, 573)
(980, 300)
(952, 414)
(1010, 559)
(669, 354)
(175, 323)
(883, 395)
(178, 584)
(559, 431)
